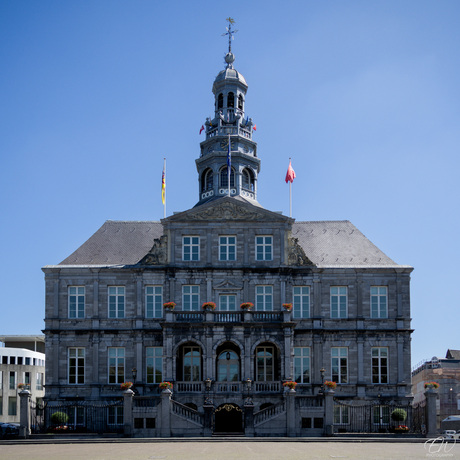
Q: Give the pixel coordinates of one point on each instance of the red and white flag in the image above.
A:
(201, 129)
(290, 175)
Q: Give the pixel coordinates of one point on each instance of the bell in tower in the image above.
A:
(228, 163)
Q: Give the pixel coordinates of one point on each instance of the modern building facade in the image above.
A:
(446, 373)
(22, 366)
(349, 323)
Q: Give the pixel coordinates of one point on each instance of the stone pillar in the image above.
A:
(431, 418)
(208, 411)
(24, 414)
(329, 412)
(165, 411)
(291, 426)
(249, 418)
(128, 412)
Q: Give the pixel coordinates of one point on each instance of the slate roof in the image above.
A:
(453, 354)
(326, 243)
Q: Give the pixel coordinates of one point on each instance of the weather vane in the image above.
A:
(230, 33)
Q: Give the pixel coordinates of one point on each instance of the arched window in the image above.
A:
(240, 102)
(228, 367)
(231, 101)
(220, 101)
(248, 179)
(207, 180)
(224, 177)
(189, 363)
(267, 363)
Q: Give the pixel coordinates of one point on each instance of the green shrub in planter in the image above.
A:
(399, 415)
(59, 418)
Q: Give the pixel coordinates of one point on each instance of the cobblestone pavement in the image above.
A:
(248, 450)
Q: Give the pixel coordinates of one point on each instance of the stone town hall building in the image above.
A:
(106, 324)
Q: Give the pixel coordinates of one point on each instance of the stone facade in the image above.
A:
(350, 320)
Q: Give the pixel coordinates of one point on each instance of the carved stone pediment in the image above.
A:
(226, 211)
(158, 255)
(227, 285)
(296, 254)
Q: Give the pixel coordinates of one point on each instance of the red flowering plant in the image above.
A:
(290, 384)
(431, 385)
(208, 306)
(331, 385)
(401, 428)
(287, 306)
(126, 385)
(169, 305)
(166, 386)
(246, 306)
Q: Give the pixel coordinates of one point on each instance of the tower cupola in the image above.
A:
(230, 124)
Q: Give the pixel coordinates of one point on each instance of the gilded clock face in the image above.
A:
(224, 145)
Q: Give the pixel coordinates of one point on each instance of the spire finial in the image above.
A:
(229, 58)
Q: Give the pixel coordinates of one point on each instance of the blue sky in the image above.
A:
(363, 95)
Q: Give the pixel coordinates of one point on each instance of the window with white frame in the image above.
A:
(115, 415)
(301, 304)
(381, 415)
(40, 380)
(265, 371)
(154, 364)
(264, 248)
(339, 302)
(76, 362)
(227, 248)
(339, 364)
(341, 415)
(116, 365)
(76, 298)
(379, 302)
(302, 364)
(191, 364)
(191, 248)
(191, 297)
(116, 302)
(379, 364)
(154, 301)
(227, 302)
(264, 298)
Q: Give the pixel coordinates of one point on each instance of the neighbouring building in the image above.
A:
(446, 372)
(350, 321)
(22, 365)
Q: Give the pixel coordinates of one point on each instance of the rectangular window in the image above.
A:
(379, 364)
(381, 415)
(264, 298)
(27, 380)
(339, 364)
(192, 364)
(191, 298)
(341, 415)
(76, 301)
(379, 302)
(227, 302)
(301, 305)
(116, 364)
(76, 366)
(264, 364)
(1, 405)
(154, 302)
(12, 380)
(40, 381)
(116, 302)
(115, 415)
(302, 365)
(227, 247)
(190, 248)
(27, 361)
(339, 302)
(264, 248)
(154, 364)
(12, 359)
(12, 405)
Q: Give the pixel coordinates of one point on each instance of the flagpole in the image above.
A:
(290, 195)
(164, 204)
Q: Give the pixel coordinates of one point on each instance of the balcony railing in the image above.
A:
(227, 387)
(228, 316)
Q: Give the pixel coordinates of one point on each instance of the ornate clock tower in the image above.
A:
(230, 124)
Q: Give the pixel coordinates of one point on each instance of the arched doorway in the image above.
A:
(228, 418)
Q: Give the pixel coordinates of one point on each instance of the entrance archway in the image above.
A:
(228, 418)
